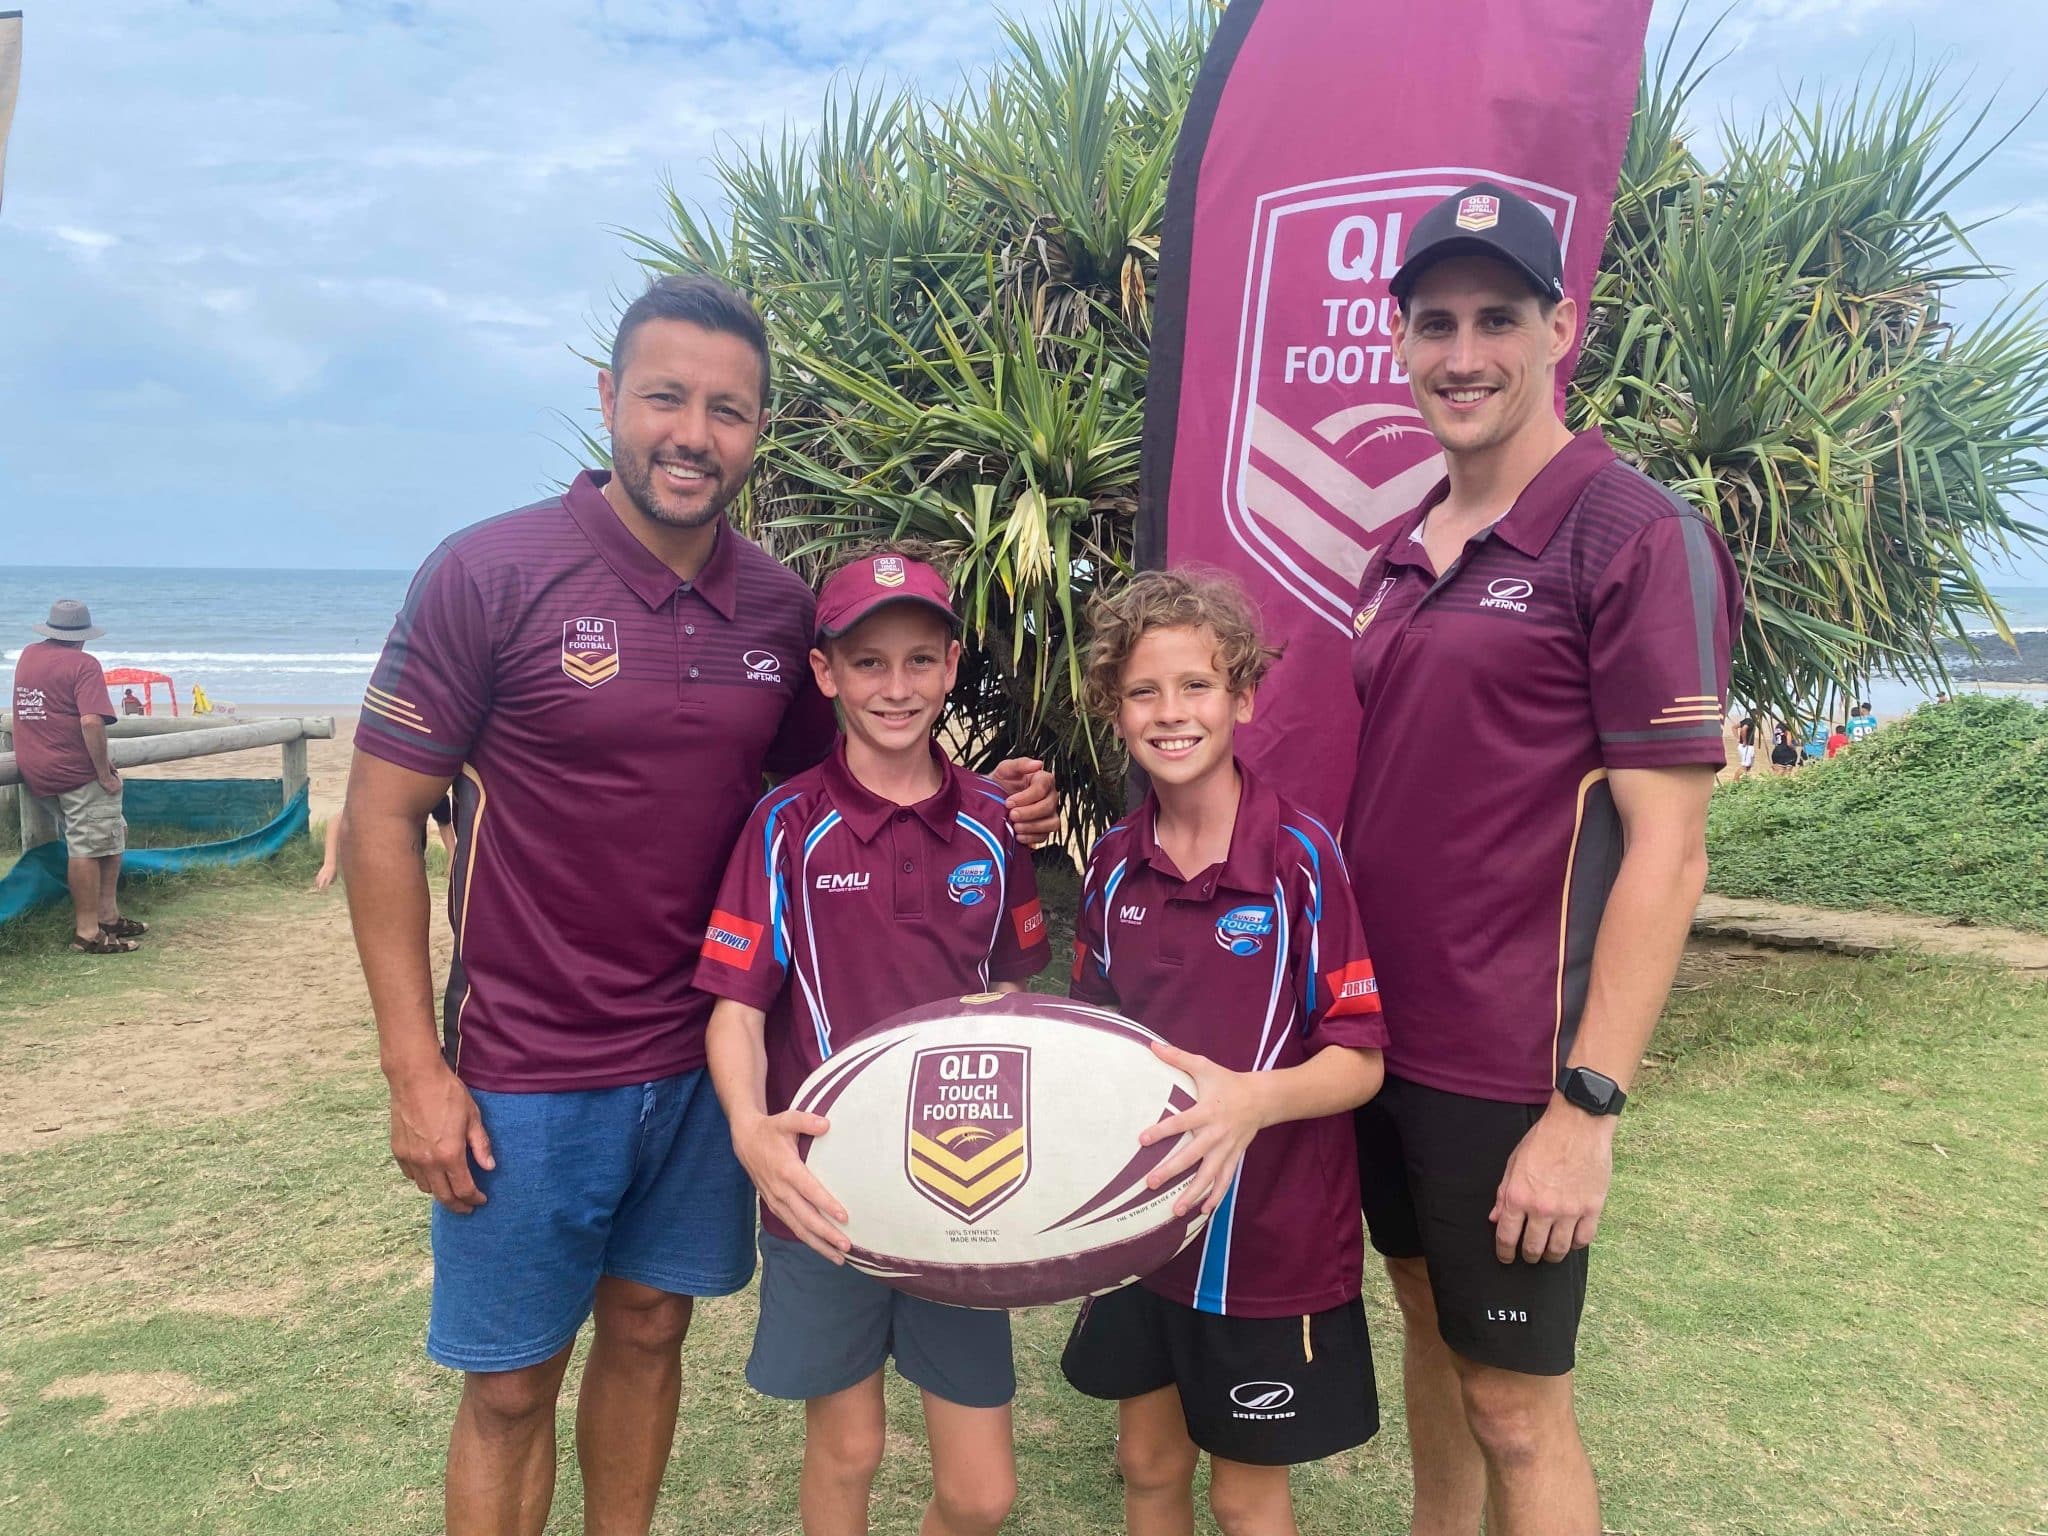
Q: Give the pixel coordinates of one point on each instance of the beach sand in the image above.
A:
(326, 761)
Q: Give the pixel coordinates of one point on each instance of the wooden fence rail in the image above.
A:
(138, 741)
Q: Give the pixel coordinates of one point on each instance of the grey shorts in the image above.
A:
(825, 1327)
(94, 827)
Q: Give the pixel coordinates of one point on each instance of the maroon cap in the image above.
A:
(857, 589)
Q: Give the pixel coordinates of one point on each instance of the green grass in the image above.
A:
(1945, 813)
(1817, 1301)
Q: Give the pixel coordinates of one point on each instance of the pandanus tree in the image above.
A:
(958, 293)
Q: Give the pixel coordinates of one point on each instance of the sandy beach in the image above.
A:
(326, 761)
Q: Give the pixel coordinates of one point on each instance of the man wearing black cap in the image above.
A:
(1566, 624)
(61, 715)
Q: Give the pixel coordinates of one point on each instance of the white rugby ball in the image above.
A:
(986, 1150)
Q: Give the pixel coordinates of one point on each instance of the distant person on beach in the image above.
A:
(1528, 896)
(1784, 755)
(442, 815)
(61, 715)
(1941, 698)
(1838, 740)
(1745, 744)
(604, 677)
(1863, 723)
(130, 705)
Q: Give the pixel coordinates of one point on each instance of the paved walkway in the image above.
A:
(1867, 933)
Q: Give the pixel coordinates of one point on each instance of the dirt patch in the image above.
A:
(1869, 933)
(157, 1280)
(277, 999)
(135, 1394)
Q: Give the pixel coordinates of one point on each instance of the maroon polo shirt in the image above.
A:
(607, 725)
(1256, 963)
(1587, 630)
(55, 688)
(841, 909)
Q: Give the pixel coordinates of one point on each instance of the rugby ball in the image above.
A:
(986, 1150)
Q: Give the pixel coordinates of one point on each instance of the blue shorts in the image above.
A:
(826, 1326)
(638, 1182)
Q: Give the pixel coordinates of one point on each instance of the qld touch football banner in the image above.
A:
(1280, 433)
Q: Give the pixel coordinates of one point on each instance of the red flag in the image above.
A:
(1280, 433)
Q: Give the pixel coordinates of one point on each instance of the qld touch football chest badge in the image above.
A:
(590, 650)
(967, 1137)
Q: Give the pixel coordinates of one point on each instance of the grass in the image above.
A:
(1945, 813)
(1817, 1303)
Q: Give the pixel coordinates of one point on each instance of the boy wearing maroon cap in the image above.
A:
(886, 838)
(1251, 1344)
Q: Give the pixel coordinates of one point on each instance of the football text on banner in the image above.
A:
(1280, 433)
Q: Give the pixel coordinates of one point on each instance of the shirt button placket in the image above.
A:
(903, 844)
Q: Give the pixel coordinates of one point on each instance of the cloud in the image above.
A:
(89, 243)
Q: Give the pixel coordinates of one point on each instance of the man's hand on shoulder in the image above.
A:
(1551, 1196)
(1034, 802)
(435, 1129)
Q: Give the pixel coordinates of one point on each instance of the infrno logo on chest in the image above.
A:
(590, 650)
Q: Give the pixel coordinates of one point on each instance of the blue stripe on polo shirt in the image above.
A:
(1212, 1285)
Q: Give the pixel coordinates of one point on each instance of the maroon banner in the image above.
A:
(1279, 429)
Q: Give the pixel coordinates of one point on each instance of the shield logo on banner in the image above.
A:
(967, 1141)
(590, 650)
(1326, 445)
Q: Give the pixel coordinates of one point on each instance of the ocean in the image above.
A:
(311, 637)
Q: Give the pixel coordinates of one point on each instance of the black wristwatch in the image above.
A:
(1594, 1092)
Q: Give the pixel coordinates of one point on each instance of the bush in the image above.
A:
(1945, 812)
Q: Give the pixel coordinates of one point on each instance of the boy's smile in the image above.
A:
(1176, 712)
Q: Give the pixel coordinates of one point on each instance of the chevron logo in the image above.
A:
(590, 651)
(967, 1144)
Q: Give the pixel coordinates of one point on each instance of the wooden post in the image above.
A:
(294, 767)
(10, 808)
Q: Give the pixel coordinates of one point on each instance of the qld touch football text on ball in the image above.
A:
(986, 1150)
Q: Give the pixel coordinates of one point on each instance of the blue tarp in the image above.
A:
(39, 878)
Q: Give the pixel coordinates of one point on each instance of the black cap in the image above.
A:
(1485, 220)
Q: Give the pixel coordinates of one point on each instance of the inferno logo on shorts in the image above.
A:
(1244, 930)
(590, 650)
(1326, 445)
(969, 882)
(967, 1138)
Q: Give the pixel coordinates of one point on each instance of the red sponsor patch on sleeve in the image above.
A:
(1030, 922)
(732, 940)
(1354, 989)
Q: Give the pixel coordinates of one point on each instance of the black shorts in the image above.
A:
(1267, 1391)
(1429, 1167)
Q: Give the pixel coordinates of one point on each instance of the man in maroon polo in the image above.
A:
(1542, 654)
(604, 677)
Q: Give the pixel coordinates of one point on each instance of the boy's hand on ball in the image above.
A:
(766, 1145)
(1229, 1110)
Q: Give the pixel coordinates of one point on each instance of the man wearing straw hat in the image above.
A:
(61, 714)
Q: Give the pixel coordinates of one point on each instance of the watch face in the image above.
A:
(1591, 1090)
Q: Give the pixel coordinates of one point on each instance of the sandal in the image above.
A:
(103, 944)
(124, 928)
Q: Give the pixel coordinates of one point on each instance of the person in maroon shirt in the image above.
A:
(883, 879)
(61, 714)
(1220, 916)
(604, 677)
(1542, 654)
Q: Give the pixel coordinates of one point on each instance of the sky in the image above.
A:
(301, 283)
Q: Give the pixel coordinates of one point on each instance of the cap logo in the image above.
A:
(1478, 212)
(888, 570)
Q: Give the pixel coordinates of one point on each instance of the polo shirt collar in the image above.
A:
(1545, 500)
(635, 564)
(1254, 842)
(866, 812)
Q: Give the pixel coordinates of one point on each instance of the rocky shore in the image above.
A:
(1994, 661)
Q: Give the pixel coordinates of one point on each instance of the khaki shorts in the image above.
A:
(94, 827)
